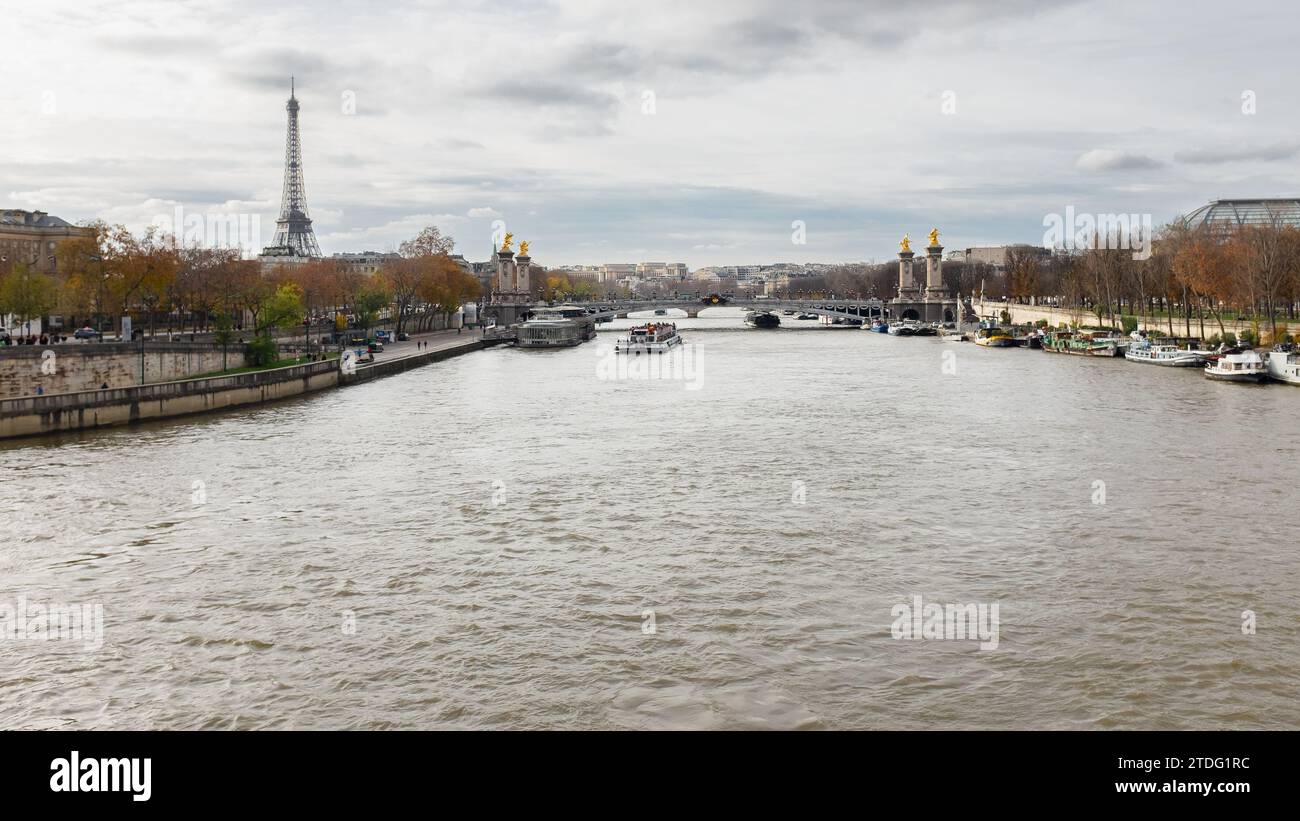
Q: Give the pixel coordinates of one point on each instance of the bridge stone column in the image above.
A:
(906, 277)
(934, 286)
(523, 269)
(507, 275)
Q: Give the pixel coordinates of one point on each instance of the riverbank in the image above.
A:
(1028, 314)
(83, 410)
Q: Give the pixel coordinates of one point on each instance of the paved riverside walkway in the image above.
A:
(436, 340)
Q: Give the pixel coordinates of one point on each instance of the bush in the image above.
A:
(1214, 341)
(1129, 324)
(1042, 323)
(1229, 339)
(1250, 337)
(263, 351)
(1006, 317)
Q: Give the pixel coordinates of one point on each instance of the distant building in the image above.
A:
(996, 255)
(1239, 213)
(365, 262)
(614, 271)
(31, 237)
(273, 256)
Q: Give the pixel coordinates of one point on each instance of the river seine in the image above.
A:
(525, 539)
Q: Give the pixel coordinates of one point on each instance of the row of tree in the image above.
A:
(111, 273)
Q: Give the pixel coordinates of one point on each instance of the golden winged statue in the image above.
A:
(906, 244)
(523, 248)
(509, 241)
(934, 237)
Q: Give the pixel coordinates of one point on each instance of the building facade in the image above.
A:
(31, 237)
(996, 255)
(365, 262)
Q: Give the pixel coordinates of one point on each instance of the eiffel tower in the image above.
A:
(293, 234)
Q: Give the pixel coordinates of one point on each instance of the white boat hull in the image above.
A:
(638, 348)
(1236, 376)
(1189, 361)
(1282, 368)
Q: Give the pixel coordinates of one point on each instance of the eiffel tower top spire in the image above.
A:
(293, 231)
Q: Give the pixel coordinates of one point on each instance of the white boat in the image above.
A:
(1143, 351)
(1284, 365)
(908, 327)
(656, 337)
(1237, 365)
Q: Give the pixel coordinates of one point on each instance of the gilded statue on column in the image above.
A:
(906, 245)
(934, 237)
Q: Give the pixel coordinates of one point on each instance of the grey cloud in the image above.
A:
(270, 69)
(155, 45)
(1242, 153)
(543, 92)
(1105, 159)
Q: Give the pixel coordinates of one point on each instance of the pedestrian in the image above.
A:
(104, 386)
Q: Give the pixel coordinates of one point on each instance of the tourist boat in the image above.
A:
(1284, 365)
(1237, 365)
(1085, 343)
(908, 327)
(992, 337)
(879, 326)
(1144, 351)
(762, 319)
(656, 337)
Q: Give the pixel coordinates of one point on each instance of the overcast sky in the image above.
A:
(863, 119)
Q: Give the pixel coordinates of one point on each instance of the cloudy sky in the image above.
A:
(671, 131)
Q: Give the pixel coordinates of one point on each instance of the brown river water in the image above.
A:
(536, 539)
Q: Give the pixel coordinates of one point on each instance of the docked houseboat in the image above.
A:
(1237, 365)
(1143, 350)
(1085, 343)
(994, 337)
(559, 327)
(1284, 364)
(656, 337)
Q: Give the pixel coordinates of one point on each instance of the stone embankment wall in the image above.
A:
(52, 413)
(76, 366)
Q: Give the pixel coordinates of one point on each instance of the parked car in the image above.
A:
(403, 336)
(383, 336)
(87, 333)
(376, 347)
